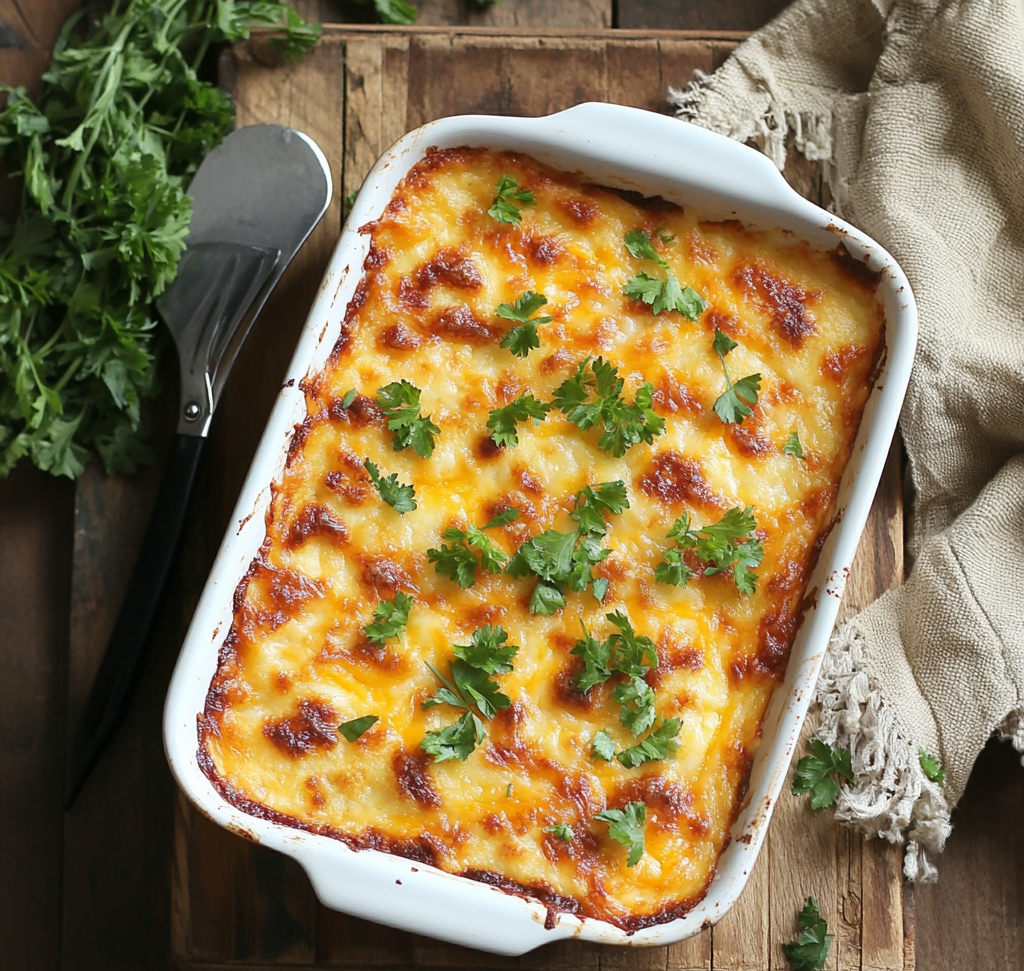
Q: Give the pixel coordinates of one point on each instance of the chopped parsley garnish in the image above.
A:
(523, 338)
(455, 741)
(591, 501)
(470, 685)
(565, 560)
(636, 698)
(602, 747)
(810, 950)
(348, 398)
(626, 826)
(509, 789)
(458, 562)
(660, 294)
(819, 773)
(507, 194)
(623, 652)
(660, 744)
(400, 497)
(793, 446)
(390, 618)
(560, 830)
(502, 421)
(622, 425)
(400, 402)
(358, 726)
(734, 404)
(931, 767)
(727, 544)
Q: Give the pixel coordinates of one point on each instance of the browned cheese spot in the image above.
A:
(314, 726)
(461, 324)
(398, 337)
(315, 520)
(580, 211)
(448, 267)
(785, 301)
(413, 778)
(674, 479)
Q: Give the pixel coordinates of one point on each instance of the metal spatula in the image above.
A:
(255, 200)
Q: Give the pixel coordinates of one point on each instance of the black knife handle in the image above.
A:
(112, 687)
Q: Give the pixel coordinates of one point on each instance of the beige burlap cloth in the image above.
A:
(917, 109)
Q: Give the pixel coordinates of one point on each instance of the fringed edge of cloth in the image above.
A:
(890, 796)
(764, 119)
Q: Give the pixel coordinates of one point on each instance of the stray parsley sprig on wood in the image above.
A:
(735, 403)
(400, 402)
(810, 950)
(502, 421)
(626, 826)
(507, 194)
(664, 294)
(458, 562)
(727, 544)
(470, 686)
(390, 618)
(354, 729)
(623, 425)
(563, 561)
(106, 153)
(523, 337)
(819, 773)
(400, 497)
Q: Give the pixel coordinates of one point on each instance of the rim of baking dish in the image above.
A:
(625, 148)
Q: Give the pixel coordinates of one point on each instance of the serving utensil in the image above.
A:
(255, 200)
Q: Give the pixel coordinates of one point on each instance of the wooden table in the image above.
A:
(133, 877)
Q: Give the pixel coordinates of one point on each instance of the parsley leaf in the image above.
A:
(486, 650)
(390, 618)
(623, 425)
(523, 338)
(931, 767)
(560, 560)
(502, 421)
(457, 562)
(660, 744)
(400, 402)
(358, 726)
(106, 152)
(819, 773)
(507, 194)
(597, 658)
(636, 697)
(348, 398)
(456, 741)
(562, 831)
(626, 826)
(793, 446)
(664, 294)
(735, 403)
(727, 544)
(810, 950)
(470, 682)
(602, 747)
(400, 497)
(591, 501)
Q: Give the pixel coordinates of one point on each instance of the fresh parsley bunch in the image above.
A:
(105, 154)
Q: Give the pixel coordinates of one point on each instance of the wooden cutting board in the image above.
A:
(238, 905)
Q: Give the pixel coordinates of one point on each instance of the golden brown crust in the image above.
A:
(296, 661)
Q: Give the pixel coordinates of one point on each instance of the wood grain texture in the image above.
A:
(35, 521)
(361, 90)
(696, 14)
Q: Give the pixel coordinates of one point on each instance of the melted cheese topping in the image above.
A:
(296, 662)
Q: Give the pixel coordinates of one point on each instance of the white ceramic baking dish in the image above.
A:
(625, 148)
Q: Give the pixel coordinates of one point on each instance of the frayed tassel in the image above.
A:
(890, 797)
(769, 125)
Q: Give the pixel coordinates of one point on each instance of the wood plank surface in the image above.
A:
(236, 904)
